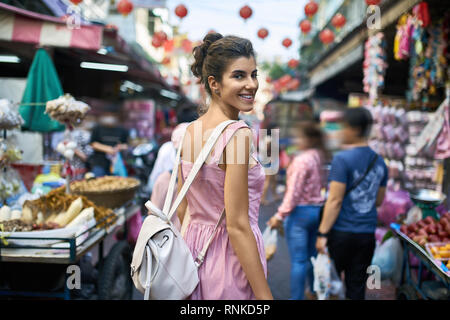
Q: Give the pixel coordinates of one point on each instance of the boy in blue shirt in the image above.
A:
(358, 179)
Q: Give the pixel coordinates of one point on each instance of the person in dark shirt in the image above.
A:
(107, 139)
(350, 214)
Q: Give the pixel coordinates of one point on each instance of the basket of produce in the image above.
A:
(55, 215)
(109, 191)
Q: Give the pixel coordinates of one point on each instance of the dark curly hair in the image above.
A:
(214, 54)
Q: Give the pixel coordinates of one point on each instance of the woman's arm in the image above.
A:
(97, 146)
(236, 207)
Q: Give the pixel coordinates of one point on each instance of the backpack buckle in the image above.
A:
(133, 270)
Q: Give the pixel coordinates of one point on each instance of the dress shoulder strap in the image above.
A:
(225, 138)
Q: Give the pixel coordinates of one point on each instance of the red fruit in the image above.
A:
(429, 220)
(421, 224)
(434, 238)
(412, 227)
(404, 229)
(447, 239)
(431, 229)
(422, 232)
(442, 234)
(447, 229)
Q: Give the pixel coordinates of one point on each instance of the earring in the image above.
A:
(217, 91)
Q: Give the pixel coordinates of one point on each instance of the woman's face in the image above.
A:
(240, 83)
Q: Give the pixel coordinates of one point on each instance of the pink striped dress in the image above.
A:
(221, 275)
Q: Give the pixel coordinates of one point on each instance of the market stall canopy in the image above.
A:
(19, 25)
(42, 85)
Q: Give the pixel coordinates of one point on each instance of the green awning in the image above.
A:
(42, 85)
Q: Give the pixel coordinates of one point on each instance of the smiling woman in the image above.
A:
(235, 266)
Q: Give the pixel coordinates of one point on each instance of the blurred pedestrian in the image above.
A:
(166, 156)
(270, 181)
(301, 205)
(358, 178)
(235, 266)
(107, 138)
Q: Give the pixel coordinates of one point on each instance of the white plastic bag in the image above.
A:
(270, 237)
(326, 279)
(388, 257)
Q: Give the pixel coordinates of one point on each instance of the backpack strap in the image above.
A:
(225, 138)
(201, 158)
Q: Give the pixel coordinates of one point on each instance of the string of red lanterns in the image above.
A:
(263, 33)
(76, 2)
(245, 12)
(125, 7)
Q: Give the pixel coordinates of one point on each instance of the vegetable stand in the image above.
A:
(413, 289)
(66, 251)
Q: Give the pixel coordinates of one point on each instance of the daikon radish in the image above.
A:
(84, 216)
(27, 214)
(5, 213)
(51, 217)
(72, 212)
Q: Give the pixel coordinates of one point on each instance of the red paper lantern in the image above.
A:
(293, 63)
(181, 11)
(268, 79)
(161, 35)
(373, 2)
(76, 2)
(212, 31)
(311, 8)
(186, 44)
(284, 80)
(125, 7)
(156, 42)
(326, 36)
(305, 26)
(338, 21)
(287, 42)
(263, 33)
(245, 12)
(293, 84)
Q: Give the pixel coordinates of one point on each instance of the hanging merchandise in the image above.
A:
(373, 2)
(425, 44)
(374, 66)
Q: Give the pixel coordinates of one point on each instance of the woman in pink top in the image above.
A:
(231, 179)
(300, 208)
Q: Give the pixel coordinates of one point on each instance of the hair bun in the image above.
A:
(200, 52)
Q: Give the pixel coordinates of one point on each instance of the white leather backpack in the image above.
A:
(163, 267)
